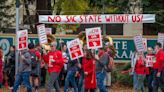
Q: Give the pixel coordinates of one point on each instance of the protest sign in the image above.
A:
(22, 39)
(42, 34)
(150, 60)
(75, 49)
(93, 38)
(145, 43)
(48, 31)
(139, 43)
(97, 19)
(161, 38)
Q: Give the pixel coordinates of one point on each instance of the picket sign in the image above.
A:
(161, 38)
(75, 49)
(48, 31)
(149, 61)
(93, 38)
(145, 43)
(42, 34)
(139, 43)
(22, 39)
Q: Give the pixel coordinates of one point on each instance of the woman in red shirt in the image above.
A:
(88, 66)
(140, 71)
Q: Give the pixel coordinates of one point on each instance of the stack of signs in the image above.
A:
(161, 38)
(22, 39)
(150, 60)
(75, 49)
(42, 34)
(93, 38)
(145, 43)
(139, 43)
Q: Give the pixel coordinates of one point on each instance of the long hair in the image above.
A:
(89, 54)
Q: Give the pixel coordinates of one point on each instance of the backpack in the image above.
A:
(109, 66)
(33, 59)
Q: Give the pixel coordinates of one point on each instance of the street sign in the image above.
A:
(93, 37)
(22, 39)
(75, 49)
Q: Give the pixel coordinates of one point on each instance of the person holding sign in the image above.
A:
(24, 70)
(55, 62)
(88, 66)
(149, 64)
(140, 71)
(158, 67)
(102, 60)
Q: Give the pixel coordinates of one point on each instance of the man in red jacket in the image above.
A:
(55, 63)
(158, 69)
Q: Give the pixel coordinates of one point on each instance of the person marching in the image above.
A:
(24, 70)
(158, 67)
(35, 63)
(140, 71)
(55, 62)
(11, 66)
(149, 69)
(102, 59)
(88, 66)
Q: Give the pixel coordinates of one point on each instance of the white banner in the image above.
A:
(139, 43)
(97, 19)
(42, 34)
(22, 39)
(161, 38)
(75, 49)
(93, 38)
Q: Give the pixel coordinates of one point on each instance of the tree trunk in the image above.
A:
(28, 14)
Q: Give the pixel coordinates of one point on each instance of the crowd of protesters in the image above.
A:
(85, 74)
(153, 75)
(36, 63)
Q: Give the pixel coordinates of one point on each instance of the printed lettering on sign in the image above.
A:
(93, 37)
(75, 49)
(22, 37)
(95, 19)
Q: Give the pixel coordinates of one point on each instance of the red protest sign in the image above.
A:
(22, 39)
(75, 49)
(93, 37)
(150, 61)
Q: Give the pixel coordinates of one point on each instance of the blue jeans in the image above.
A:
(149, 82)
(158, 81)
(80, 82)
(70, 78)
(22, 77)
(100, 76)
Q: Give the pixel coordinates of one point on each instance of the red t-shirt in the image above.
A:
(159, 64)
(58, 63)
(140, 67)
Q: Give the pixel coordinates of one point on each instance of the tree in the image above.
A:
(5, 17)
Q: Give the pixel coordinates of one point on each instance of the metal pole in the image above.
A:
(17, 29)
